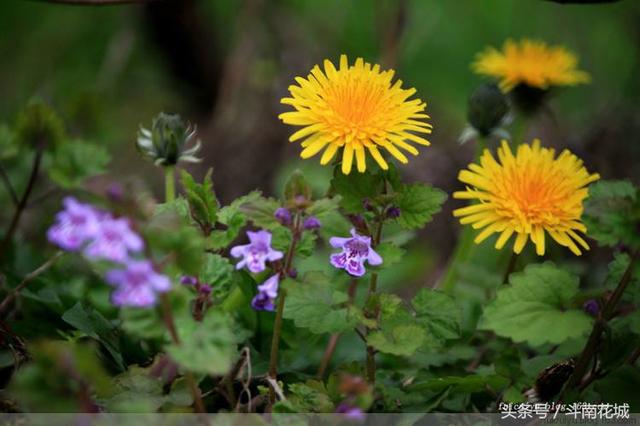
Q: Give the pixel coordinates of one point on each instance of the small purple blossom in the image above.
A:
(283, 215)
(205, 289)
(591, 307)
(255, 254)
(114, 240)
(393, 212)
(350, 412)
(188, 280)
(76, 225)
(115, 192)
(267, 293)
(136, 285)
(355, 251)
(311, 222)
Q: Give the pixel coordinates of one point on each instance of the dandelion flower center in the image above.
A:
(357, 109)
(531, 63)
(527, 194)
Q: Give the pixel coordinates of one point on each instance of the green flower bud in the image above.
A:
(166, 143)
(39, 126)
(527, 99)
(488, 108)
(297, 191)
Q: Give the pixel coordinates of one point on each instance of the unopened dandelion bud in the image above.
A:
(487, 108)
(166, 143)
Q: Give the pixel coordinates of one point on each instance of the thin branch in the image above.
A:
(8, 185)
(28, 278)
(22, 204)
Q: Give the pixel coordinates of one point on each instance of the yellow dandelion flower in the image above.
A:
(531, 63)
(356, 108)
(527, 195)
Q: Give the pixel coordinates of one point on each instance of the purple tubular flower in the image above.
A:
(355, 251)
(137, 285)
(255, 254)
(393, 212)
(76, 225)
(283, 215)
(267, 293)
(591, 307)
(188, 280)
(205, 289)
(350, 412)
(311, 222)
(114, 241)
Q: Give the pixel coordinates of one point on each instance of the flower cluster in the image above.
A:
(254, 256)
(98, 235)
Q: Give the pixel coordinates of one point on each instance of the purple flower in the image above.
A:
(393, 212)
(591, 307)
(75, 225)
(283, 215)
(311, 222)
(355, 251)
(257, 252)
(205, 289)
(114, 240)
(136, 285)
(350, 412)
(267, 293)
(188, 280)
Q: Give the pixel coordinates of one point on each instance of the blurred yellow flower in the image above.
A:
(526, 195)
(531, 63)
(356, 108)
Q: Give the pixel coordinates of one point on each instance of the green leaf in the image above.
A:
(233, 219)
(310, 397)
(218, 272)
(621, 386)
(470, 384)
(93, 324)
(612, 213)
(355, 188)
(397, 339)
(617, 268)
(260, 211)
(537, 307)
(296, 187)
(75, 161)
(206, 347)
(319, 304)
(202, 200)
(439, 313)
(390, 253)
(170, 234)
(178, 207)
(142, 323)
(418, 203)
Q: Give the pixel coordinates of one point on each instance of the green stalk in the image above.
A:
(465, 245)
(169, 184)
(277, 326)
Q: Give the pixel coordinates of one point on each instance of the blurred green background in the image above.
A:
(224, 65)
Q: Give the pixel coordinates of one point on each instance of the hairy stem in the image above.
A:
(27, 279)
(333, 339)
(277, 326)
(593, 343)
(22, 203)
(8, 185)
(373, 287)
(464, 247)
(169, 184)
(510, 267)
(167, 316)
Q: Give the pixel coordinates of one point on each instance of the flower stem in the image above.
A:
(510, 267)
(277, 326)
(373, 287)
(22, 203)
(167, 316)
(593, 343)
(169, 184)
(333, 339)
(464, 248)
